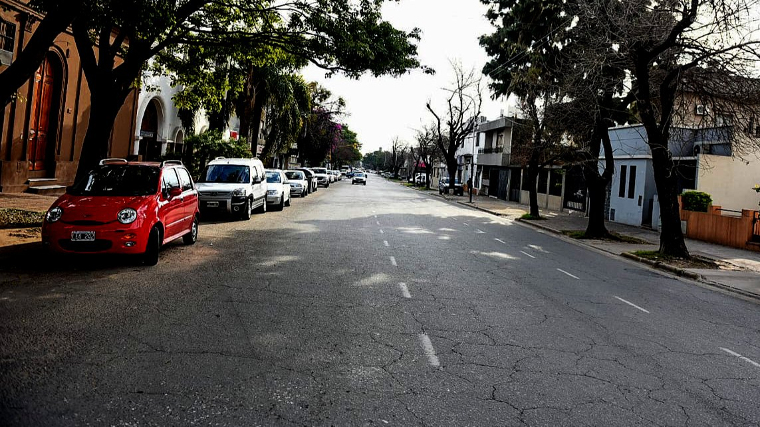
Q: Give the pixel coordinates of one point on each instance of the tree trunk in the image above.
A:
(452, 165)
(244, 106)
(597, 191)
(671, 238)
(104, 109)
(533, 170)
(24, 66)
(255, 119)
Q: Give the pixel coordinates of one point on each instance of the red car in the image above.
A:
(126, 208)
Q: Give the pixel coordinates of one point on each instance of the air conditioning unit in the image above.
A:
(701, 110)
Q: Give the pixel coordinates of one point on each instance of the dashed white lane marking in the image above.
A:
(375, 216)
(382, 232)
(404, 290)
(378, 222)
(466, 224)
(429, 350)
(385, 242)
(479, 231)
(563, 271)
(393, 261)
(500, 241)
(525, 253)
(746, 359)
(633, 305)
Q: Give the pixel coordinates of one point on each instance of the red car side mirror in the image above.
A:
(174, 192)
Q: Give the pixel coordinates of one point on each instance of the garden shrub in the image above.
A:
(695, 201)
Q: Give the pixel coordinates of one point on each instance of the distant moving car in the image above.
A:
(233, 185)
(299, 186)
(125, 208)
(359, 178)
(443, 186)
(278, 189)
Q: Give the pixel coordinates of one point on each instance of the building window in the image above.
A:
(632, 182)
(7, 37)
(623, 176)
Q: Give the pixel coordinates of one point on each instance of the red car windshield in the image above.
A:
(118, 180)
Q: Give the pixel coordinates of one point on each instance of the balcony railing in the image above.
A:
(490, 150)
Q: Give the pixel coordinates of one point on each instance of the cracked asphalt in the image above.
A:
(301, 318)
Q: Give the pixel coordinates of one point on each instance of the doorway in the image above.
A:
(150, 149)
(43, 119)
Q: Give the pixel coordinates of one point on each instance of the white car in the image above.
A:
(299, 185)
(278, 189)
(323, 178)
(359, 178)
(234, 186)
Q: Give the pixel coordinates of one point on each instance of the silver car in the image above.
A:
(299, 185)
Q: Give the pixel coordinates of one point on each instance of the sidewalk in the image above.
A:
(27, 202)
(740, 271)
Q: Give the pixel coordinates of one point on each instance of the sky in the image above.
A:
(380, 109)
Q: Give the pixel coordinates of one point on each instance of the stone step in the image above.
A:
(36, 182)
(48, 190)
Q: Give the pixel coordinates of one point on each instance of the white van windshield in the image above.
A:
(233, 174)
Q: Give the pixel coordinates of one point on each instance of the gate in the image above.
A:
(756, 228)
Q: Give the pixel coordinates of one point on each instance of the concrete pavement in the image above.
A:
(739, 272)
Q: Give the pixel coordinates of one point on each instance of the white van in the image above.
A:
(234, 186)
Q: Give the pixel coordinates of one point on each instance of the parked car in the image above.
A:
(278, 189)
(359, 178)
(311, 178)
(125, 208)
(323, 178)
(234, 186)
(337, 175)
(298, 183)
(443, 186)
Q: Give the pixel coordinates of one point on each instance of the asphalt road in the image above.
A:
(370, 305)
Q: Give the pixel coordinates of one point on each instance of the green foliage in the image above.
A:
(209, 145)
(347, 152)
(17, 218)
(695, 201)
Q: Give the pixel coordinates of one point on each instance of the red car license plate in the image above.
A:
(82, 236)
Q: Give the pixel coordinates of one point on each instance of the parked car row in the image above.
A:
(136, 207)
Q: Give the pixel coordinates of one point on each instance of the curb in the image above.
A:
(657, 264)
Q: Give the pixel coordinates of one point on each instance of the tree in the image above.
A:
(338, 35)
(57, 18)
(593, 77)
(463, 103)
(348, 149)
(671, 47)
(398, 156)
(426, 151)
(321, 130)
(288, 107)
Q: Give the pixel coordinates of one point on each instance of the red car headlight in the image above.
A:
(127, 216)
(54, 214)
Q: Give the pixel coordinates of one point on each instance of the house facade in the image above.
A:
(44, 125)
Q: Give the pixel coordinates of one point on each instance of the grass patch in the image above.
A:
(532, 218)
(693, 262)
(613, 237)
(18, 218)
